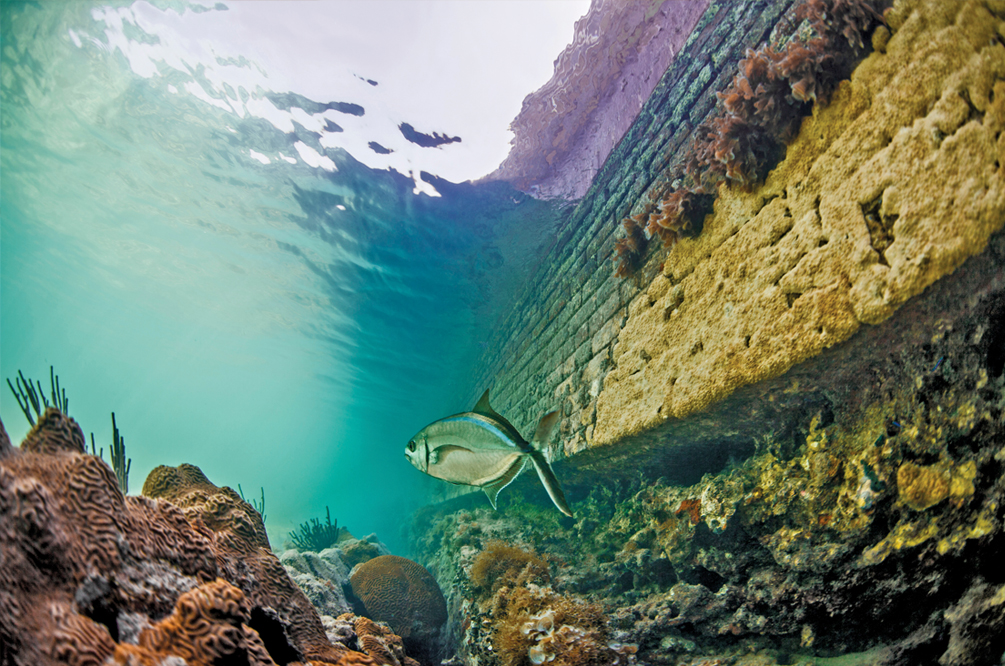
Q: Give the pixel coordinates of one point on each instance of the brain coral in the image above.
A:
(379, 642)
(208, 626)
(86, 571)
(404, 594)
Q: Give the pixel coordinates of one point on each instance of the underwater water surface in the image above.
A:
(274, 285)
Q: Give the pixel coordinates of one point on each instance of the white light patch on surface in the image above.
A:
(314, 158)
(453, 68)
(260, 157)
(422, 187)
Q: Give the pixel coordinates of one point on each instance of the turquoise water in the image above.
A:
(280, 325)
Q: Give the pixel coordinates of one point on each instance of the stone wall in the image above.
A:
(554, 348)
(889, 186)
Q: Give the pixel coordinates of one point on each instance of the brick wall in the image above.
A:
(553, 348)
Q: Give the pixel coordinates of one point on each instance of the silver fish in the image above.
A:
(481, 448)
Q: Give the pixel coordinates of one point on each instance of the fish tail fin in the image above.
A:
(543, 467)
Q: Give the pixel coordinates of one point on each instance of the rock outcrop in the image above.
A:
(566, 129)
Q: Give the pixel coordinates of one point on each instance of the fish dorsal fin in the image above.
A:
(492, 489)
(485, 409)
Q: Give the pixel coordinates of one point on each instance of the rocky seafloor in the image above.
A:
(870, 530)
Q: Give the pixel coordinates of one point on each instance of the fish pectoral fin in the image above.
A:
(440, 453)
(492, 489)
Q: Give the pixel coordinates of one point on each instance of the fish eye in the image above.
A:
(411, 445)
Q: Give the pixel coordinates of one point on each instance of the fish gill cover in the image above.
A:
(196, 245)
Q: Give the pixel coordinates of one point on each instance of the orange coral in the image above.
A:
(692, 507)
(242, 552)
(403, 594)
(208, 626)
(379, 642)
(500, 564)
(631, 248)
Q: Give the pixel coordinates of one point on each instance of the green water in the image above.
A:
(279, 325)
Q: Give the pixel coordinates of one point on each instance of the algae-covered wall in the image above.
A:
(787, 445)
(554, 347)
(887, 188)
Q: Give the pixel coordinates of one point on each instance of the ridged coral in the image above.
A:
(85, 568)
(243, 552)
(379, 642)
(403, 594)
(209, 626)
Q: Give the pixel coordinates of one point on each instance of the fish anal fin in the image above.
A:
(492, 489)
(440, 453)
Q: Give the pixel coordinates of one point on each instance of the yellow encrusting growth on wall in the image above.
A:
(890, 187)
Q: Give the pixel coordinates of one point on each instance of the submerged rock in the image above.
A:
(321, 576)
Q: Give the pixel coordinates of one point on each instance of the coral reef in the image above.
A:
(208, 626)
(405, 595)
(379, 642)
(92, 576)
